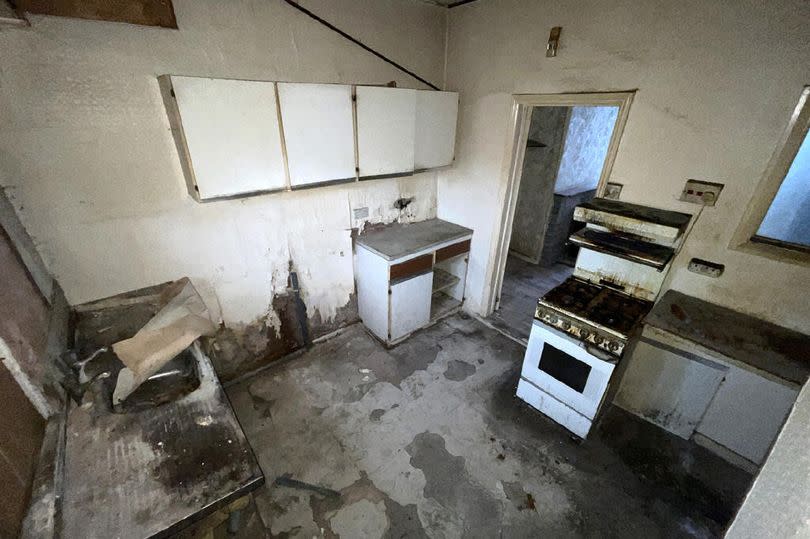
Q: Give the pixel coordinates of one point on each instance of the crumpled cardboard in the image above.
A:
(173, 329)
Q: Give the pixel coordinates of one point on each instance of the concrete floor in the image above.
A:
(427, 440)
(523, 285)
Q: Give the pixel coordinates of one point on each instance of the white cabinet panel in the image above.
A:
(747, 413)
(372, 291)
(232, 134)
(669, 388)
(410, 304)
(386, 123)
(318, 131)
(436, 115)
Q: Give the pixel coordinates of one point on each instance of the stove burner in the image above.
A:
(598, 305)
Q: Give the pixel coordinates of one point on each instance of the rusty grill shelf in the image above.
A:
(634, 250)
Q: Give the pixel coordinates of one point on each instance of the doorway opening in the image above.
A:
(563, 151)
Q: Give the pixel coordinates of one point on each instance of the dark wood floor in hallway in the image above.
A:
(523, 284)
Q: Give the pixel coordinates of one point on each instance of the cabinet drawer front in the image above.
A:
(411, 268)
(453, 250)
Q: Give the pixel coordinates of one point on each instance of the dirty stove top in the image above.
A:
(595, 314)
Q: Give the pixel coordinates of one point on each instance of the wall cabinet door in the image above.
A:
(410, 304)
(386, 123)
(318, 132)
(231, 134)
(436, 116)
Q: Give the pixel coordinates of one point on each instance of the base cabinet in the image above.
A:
(715, 401)
(747, 413)
(397, 296)
(410, 305)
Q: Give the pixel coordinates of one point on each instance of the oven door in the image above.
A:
(558, 365)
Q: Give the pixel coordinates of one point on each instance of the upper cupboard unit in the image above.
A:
(239, 138)
(435, 138)
(386, 127)
(318, 132)
(227, 135)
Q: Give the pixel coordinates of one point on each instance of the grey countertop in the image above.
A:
(776, 350)
(398, 240)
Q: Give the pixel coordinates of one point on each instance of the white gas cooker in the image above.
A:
(581, 327)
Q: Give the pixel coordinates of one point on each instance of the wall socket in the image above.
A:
(704, 267)
(700, 192)
(613, 190)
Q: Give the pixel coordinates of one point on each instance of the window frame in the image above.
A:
(746, 238)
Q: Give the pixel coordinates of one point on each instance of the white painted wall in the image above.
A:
(776, 505)
(91, 167)
(717, 82)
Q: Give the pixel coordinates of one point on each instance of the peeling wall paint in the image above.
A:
(711, 108)
(89, 163)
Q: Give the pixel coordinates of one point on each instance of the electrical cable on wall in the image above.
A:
(356, 41)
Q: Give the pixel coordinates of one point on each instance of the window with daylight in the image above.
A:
(786, 222)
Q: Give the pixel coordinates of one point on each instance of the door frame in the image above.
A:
(519, 122)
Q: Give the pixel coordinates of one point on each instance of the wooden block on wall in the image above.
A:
(144, 12)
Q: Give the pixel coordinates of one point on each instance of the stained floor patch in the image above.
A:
(402, 520)
(447, 482)
(520, 498)
(458, 370)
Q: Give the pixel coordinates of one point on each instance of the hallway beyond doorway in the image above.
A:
(523, 284)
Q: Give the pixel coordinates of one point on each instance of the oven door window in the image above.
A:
(564, 368)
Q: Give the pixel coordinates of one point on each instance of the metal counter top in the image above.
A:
(398, 240)
(151, 473)
(778, 351)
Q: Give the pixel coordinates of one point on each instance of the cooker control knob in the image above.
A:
(551, 319)
(597, 339)
(584, 334)
(566, 324)
(613, 346)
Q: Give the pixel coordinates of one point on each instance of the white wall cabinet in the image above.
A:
(435, 138)
(386, 130)
(318, 132)
(229, 135)
(410, 275)
(232, 141)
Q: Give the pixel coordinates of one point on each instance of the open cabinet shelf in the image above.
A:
(442, 280)
(442, 304)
